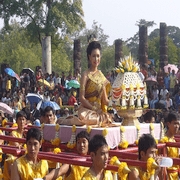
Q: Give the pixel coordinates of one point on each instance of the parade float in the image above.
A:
(129, 91)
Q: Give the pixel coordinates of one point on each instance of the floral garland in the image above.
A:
(15, 125)
(123, 143)
(123, 169)
(162, 130)
(56, 150)
(151, 166)
(72, 143)
(138, 134)
(56, 141)
(89, 128)
(105, 132)
(4, 121)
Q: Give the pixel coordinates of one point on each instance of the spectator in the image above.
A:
(72, 99)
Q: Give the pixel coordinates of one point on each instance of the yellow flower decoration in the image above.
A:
(124, 144)
(4, 121)
(122, 128)
(151, 166)
(25, 148)
(56, 150)
(138, 86)
(114, 161)
(138, 127)
(123, 87)
(57, 127)
(42, 126)
(71, 146)
(151, 126)
(89, 129)
(123, 170)
(56, 141)
(104, 132)
(14, 125)
(74, 128)
(131, 87)
(164, 139)
(137, 141)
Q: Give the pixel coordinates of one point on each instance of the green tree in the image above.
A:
(44, 17)
(153, 51)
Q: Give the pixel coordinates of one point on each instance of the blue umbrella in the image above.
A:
(33, 98)
(53, 104)
(10, 72)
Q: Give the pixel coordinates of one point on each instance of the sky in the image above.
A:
(118, 17)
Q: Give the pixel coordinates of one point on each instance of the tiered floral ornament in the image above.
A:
(129, 91)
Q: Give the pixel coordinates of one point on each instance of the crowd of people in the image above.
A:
(89, 107)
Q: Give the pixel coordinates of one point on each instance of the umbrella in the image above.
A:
(28, 70)
(172, 66)
(33, 98)
(53, 104)
(10, 72)
(6, 109)
(73, 83)
(44, 82)
(150, 81)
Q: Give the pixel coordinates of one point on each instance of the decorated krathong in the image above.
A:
(128, 89)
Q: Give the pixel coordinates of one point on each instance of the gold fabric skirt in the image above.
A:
(87, 117)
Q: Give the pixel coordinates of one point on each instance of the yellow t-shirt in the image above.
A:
(89, 176)
(30, 171)
(76, 173)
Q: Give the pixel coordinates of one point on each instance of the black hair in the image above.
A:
(148, 116)
(28, 112)
(146, 141)
(92, 45)
(97, 142)
(172, 117)
(47, 109)
(34, 133)
(21, 114)
(82, 134)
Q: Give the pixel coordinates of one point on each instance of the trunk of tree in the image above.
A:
(46, 55)
(118, 51)
(77, 57)
(143, 45)
(163, 50)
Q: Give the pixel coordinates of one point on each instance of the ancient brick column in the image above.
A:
(77, 56)
(118, 50)
(143, 45)
(163, 50)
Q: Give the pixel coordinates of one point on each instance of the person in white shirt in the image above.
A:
(169, 103)
(163, 93)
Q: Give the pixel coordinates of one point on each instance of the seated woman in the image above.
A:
(93, 93)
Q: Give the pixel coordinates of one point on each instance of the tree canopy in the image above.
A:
(44, 17)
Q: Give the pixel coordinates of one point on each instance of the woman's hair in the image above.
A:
(34, 133)
(97, 142)
(92, 45)
(146, 141)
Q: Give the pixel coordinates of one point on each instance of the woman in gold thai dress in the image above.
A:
(94, 89)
